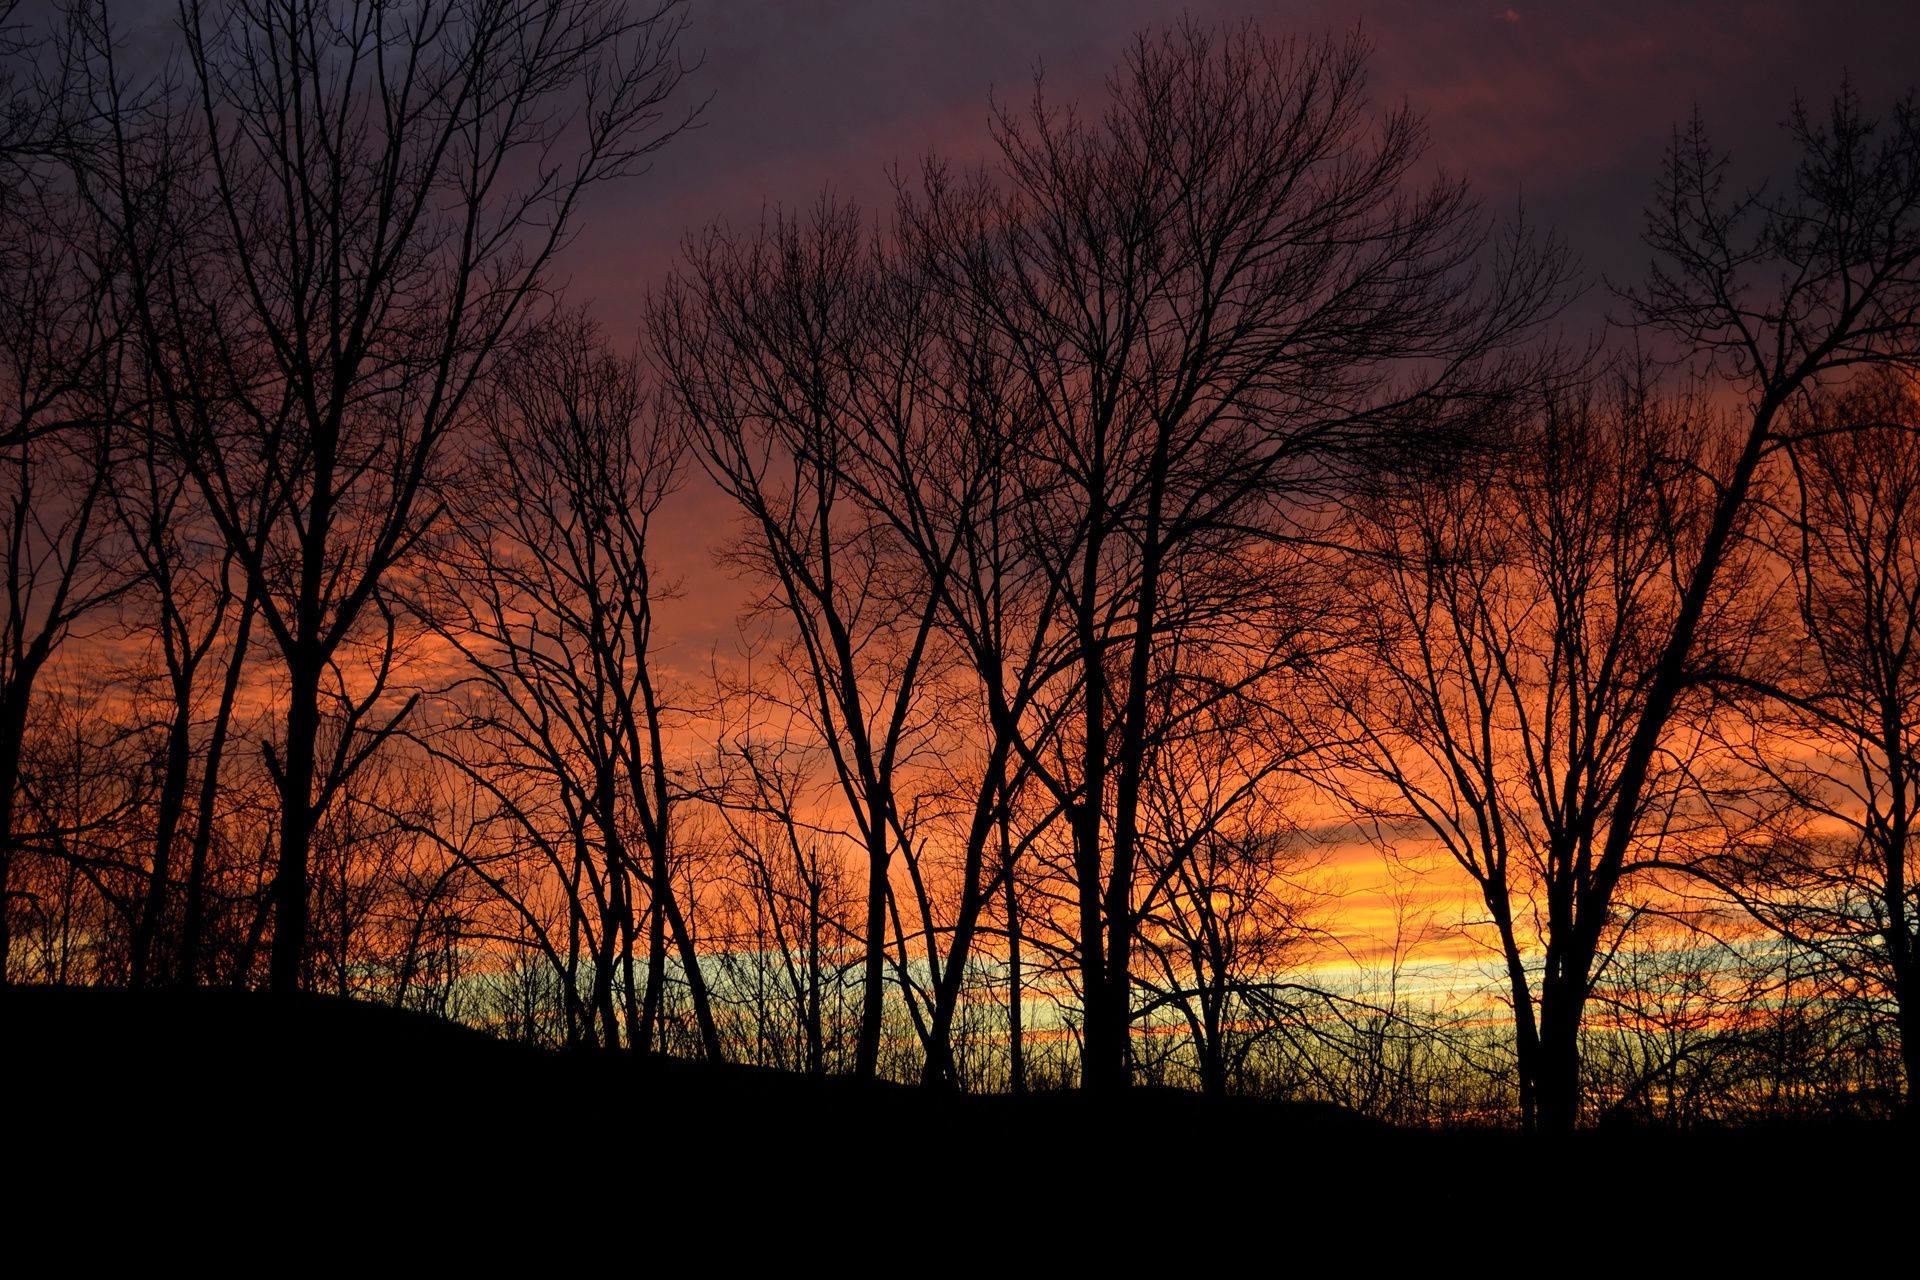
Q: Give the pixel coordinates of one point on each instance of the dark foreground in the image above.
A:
(315, 1120)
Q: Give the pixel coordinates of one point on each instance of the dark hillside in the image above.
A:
(180, 1101)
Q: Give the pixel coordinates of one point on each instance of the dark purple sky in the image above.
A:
(1567, 104)
(1570, 103)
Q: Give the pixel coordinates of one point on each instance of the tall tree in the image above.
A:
(550, 594)
(779, 348)
(1222, 296)
(61, 390)
(384, 188)
(1503, 664)
(1835, 870)
(1774, 291)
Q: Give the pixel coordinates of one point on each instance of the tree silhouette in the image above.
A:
(385, 189)
(1508, 652)
(777, 349)
(1221, 299)
(1830, 863)
(61, 390)
(1775, 291)
(548, 594)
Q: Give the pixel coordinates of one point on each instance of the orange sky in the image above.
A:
(1565, 105)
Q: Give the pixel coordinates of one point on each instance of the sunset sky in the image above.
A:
(1010, 544)
(1190, 601)
(1567, 106)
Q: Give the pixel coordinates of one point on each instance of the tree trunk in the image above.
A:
(173, 800)
(1905, 985)
(1016, 1049)
(630, 990)
(1526, 1035)
(613, 905)
(816, 1035)
(194, 923)
(1100, 1044)
(1213, 1049)
(696, 980)
(13, 732)
(866, 1058)
(989, 816)
(1557, 1072)
(1908, 1015)
(656, 965)
(296, 827)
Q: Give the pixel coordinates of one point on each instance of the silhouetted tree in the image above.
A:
(1507, 654)
(1222, 297)
(794, 910)
(384, 189)
(1226, 906)
(779, 350)
(61, 390)
(1775, 290)
(1831, 865)
(186, 586)
(81, 788)
(549, 595)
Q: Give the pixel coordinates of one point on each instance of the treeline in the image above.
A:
(1133, 526)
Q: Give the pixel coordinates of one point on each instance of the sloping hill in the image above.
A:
(313, 1120)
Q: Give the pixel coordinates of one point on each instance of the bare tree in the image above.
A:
(778, 349)
(81, 788)
(385, 189)
(1507, 666)
(863, 427)
(1219, 296)
(61, 390)
(1227, 903)
(1777, 290)
(793, 909)
(550, 595)
(1830, 864)
(198, 620)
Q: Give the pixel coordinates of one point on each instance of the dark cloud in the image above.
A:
(1566, 104)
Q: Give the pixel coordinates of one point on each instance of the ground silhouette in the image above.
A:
(170, 1109)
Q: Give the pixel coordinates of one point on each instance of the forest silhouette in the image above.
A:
(1132, 525)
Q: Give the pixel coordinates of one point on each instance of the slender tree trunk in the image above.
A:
(816, 1038)
(1907, 1013)
(656, 965)
(696, 980)
(172, 805)
(631, 990)
(13, 732)
(940, 1068)
(1115, 1066)
(866, 1059)
(194, 923)
(1016, 1047)
(296, 826)
(1103, 1046)
(611, 912)
(1526, 1036)
(578, 1023)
